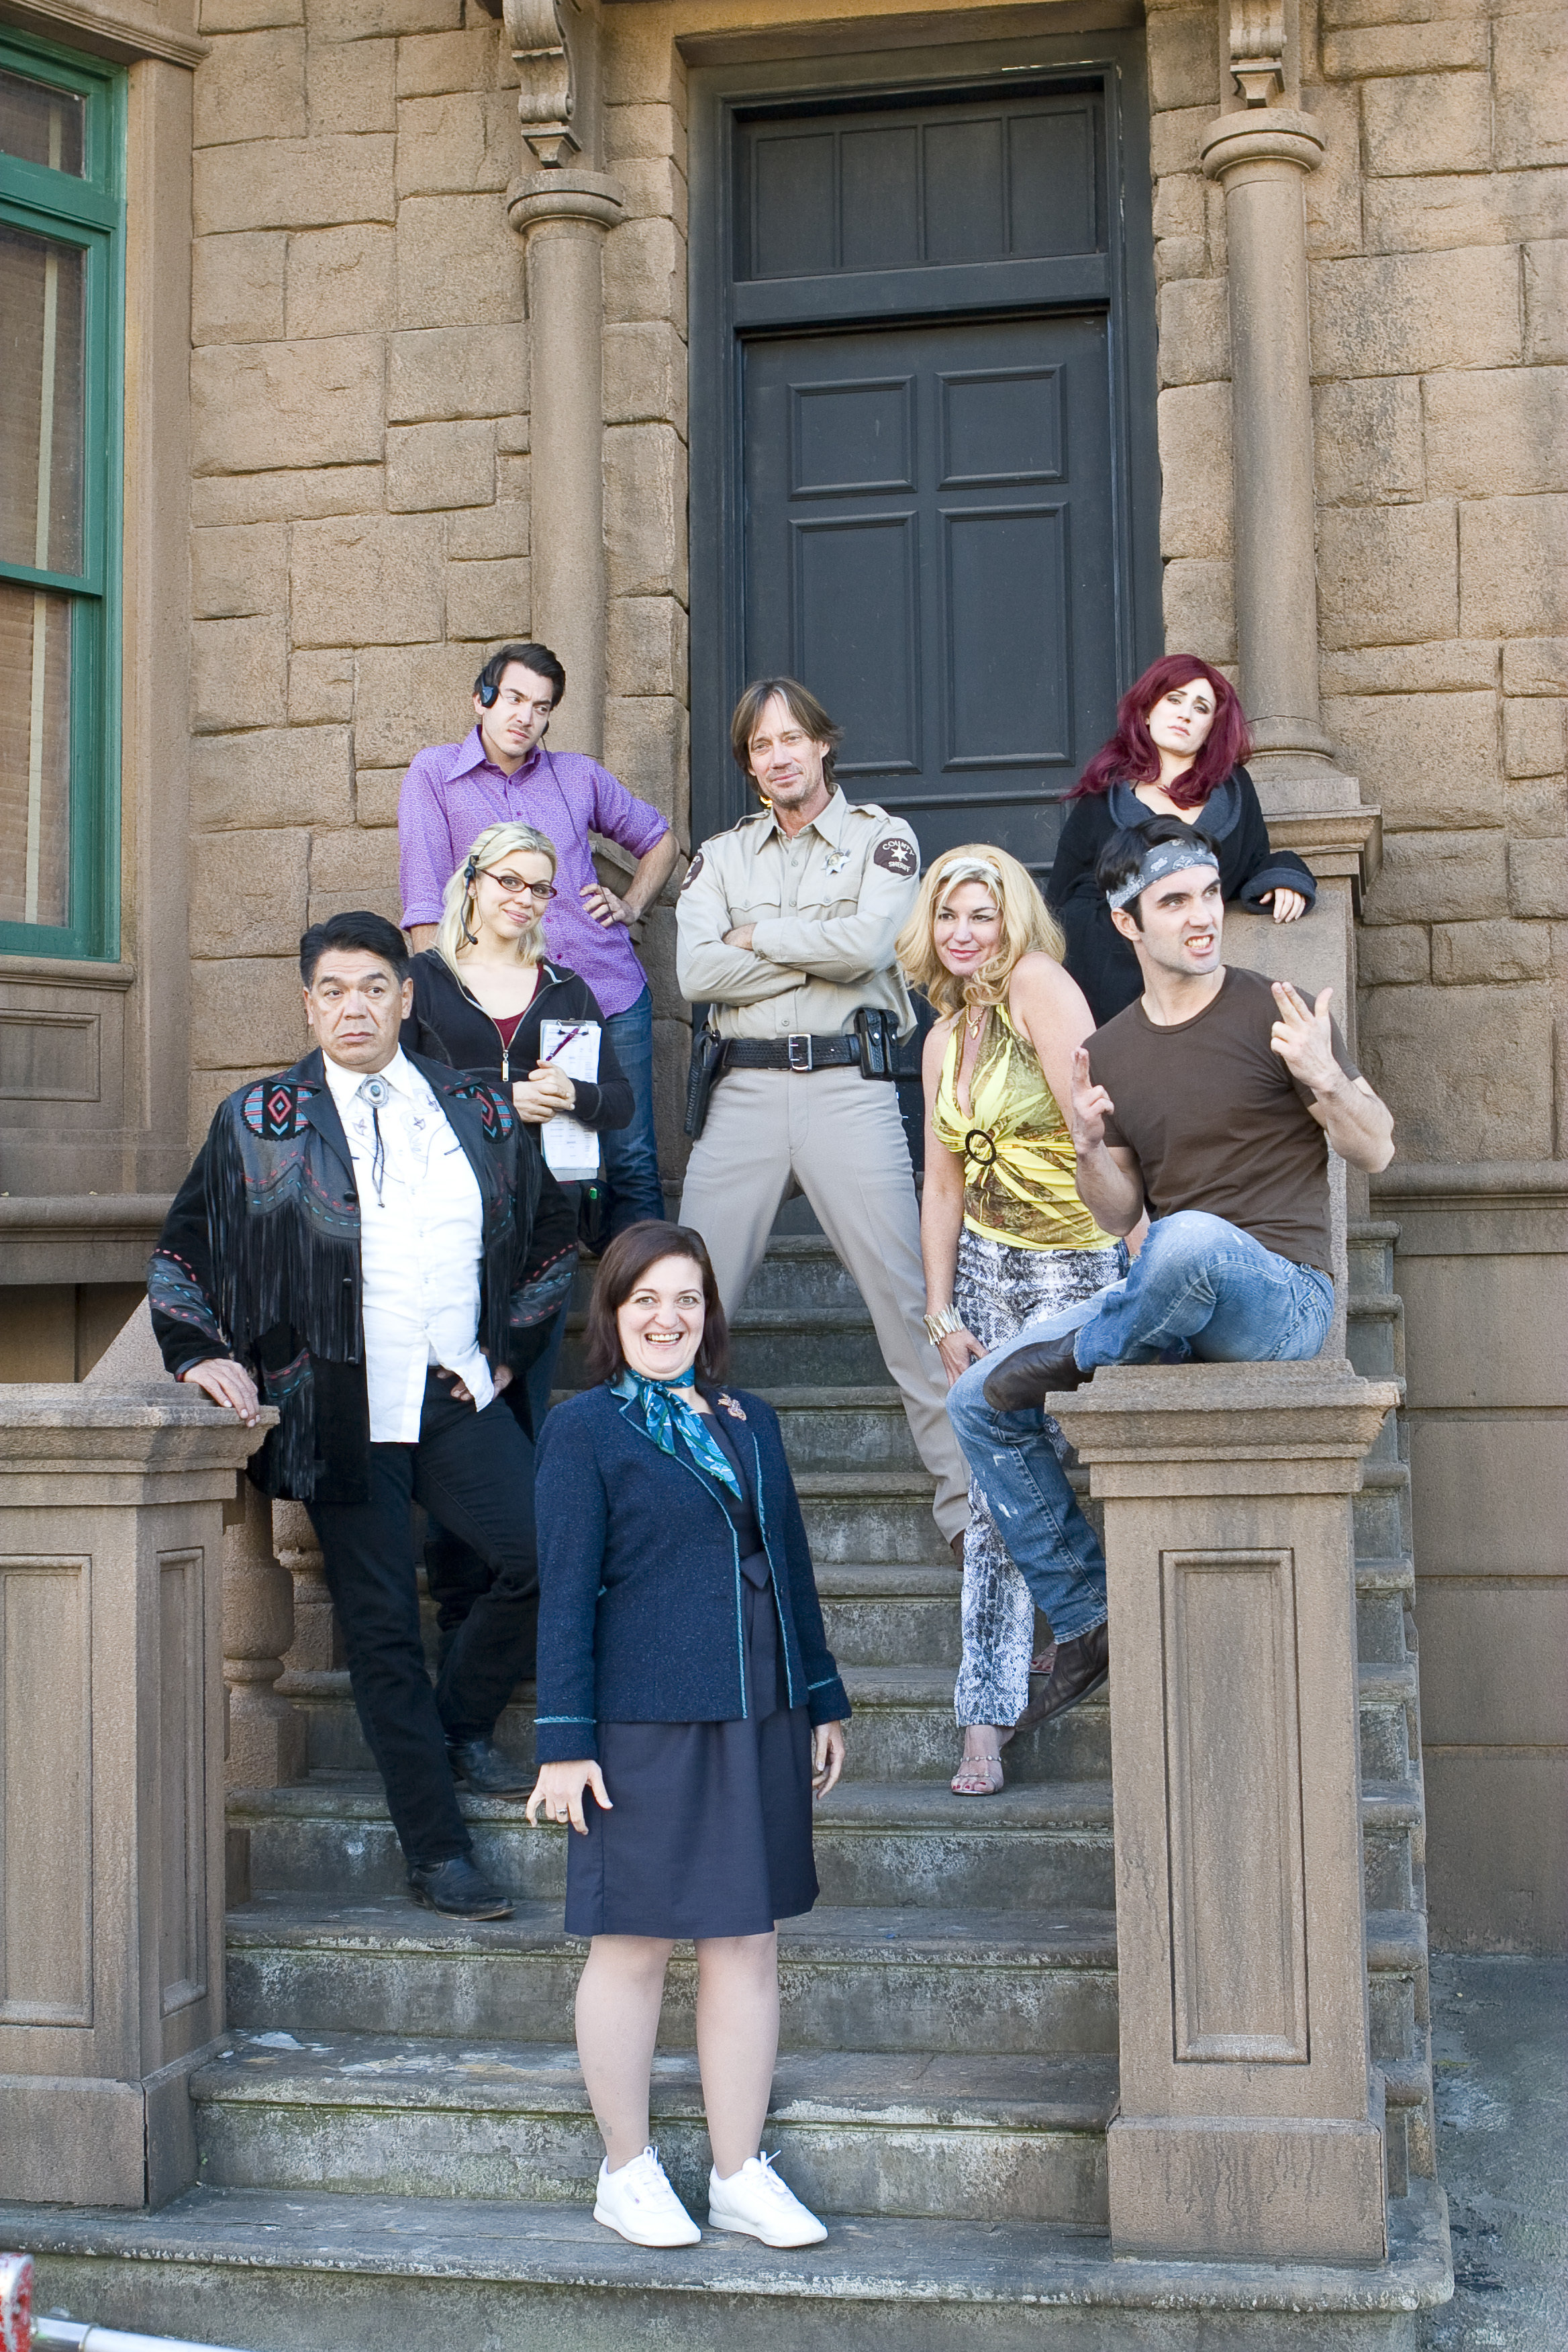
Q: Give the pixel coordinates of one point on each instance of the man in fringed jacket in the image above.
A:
(370, 1242)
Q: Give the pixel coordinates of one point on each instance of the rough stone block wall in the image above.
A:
(359, 504)
(1439, 342)
(647, 711)
(1436, 231)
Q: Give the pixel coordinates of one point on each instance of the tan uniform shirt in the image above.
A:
(826, 907)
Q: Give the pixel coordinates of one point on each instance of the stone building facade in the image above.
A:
(399, 385)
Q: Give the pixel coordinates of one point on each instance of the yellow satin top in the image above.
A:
(1019, 1166)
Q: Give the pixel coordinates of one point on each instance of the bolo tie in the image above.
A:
(375, 1091)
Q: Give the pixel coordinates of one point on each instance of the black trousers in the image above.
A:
(456, 1575)
(473, 1471)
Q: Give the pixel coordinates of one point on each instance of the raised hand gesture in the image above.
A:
(1303, 1039)
(1090, 1105)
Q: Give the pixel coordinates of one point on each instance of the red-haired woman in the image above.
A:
(1180, 742)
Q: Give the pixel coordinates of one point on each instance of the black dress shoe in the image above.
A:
(1080, 1666)
(458, 1889)
(1032, 1374)
(487, 1771)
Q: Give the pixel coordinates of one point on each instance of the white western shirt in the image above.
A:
(420, 1247)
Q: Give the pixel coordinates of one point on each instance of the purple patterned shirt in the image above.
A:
(454, 791)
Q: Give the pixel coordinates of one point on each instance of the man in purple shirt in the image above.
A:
(505, 770)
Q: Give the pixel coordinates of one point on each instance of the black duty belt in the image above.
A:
(797, 1052)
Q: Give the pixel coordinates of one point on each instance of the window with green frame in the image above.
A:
(61, 341)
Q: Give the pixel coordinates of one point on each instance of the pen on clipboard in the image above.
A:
(564, 1042)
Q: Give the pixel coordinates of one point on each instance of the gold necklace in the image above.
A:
(976, 1026)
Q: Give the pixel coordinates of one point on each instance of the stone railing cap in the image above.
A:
(1290, 1410)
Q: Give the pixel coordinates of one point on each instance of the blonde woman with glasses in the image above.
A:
(483, 989)
(1003, 1235)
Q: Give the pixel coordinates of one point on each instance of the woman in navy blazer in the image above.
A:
(689, 1710)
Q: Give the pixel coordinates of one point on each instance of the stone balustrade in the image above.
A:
(111, 1771)
(1249, 2122)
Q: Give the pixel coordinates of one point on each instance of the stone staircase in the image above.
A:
(397, 2101)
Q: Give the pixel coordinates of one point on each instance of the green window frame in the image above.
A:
(85, 212)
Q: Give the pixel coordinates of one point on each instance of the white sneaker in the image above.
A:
(638, 2202)
(755, 2201)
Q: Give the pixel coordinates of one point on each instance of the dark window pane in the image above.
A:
(793, 204)
(41, 125)
(1052, 182)
(965, 215)
(881, 200)
(43, 290)
(35, 755)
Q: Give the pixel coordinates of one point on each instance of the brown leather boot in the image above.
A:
(1081, 1667)
(1032, 1374)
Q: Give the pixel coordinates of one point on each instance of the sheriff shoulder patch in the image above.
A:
(274, 1109)
(897, 855)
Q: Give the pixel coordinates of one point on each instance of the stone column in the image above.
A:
(1261, 157)
(111, 1847)
(561, 216)
(1249, 2126)
(266, 1734)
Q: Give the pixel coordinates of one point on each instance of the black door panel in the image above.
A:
(928, 544)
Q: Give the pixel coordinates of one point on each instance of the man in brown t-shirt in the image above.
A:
(1212, 1102)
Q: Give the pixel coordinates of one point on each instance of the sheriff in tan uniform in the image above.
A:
(785, 930)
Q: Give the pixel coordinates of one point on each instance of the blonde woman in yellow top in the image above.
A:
(1003, 1232)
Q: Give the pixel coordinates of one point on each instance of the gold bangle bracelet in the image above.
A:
(942, 1324)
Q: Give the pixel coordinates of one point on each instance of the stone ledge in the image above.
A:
(124, 34)
(445, 2241)
(71, 1237)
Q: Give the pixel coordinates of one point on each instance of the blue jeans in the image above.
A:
(631, 1153)
(1199, 1288)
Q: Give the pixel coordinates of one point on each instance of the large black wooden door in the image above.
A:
(914, 447)
(928, 544)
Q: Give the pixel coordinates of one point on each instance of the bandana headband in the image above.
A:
(1165, 857)
(970, 869)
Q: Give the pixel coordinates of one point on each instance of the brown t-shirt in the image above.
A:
(1217, 1121)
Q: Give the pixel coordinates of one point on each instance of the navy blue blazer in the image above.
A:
(640, 1580)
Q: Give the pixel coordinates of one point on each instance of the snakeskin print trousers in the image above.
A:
(997, 1290)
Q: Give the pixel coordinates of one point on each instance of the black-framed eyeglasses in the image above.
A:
(512, 886)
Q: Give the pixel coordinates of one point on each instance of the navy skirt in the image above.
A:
(709, 1832)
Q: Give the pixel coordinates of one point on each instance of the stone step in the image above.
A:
(896, 1980)
(1046, 1847)
(886, 1614)
(299, 2268)
(871, 1515)
(844, 1428)
(786, 1346)
(964, 2138)
(1390, 1731)
(902, 1730)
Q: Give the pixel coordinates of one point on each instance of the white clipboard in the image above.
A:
(571, 1149)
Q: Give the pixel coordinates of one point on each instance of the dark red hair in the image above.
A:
(1131, 755)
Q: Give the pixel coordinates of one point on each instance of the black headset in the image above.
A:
(489, 696)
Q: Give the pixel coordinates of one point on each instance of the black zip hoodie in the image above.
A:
(473, 1042)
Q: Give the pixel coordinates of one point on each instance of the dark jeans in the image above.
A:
(474, 1473)
(630, 1154)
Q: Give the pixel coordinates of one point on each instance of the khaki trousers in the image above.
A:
(841, 1137)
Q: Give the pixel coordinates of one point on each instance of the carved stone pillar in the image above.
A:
(562, 212)
(1261, 157)
(1249, 2122)
(267, 1736)
(112, 1805)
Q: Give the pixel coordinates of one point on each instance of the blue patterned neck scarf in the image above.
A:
(664, 1411)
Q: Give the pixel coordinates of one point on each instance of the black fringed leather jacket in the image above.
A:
(259, 1259)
